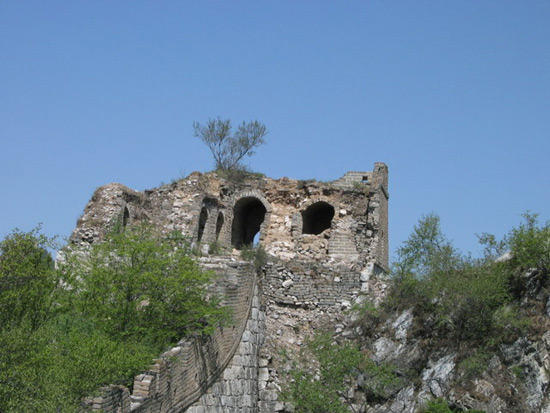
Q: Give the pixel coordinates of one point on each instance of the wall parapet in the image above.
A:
(181, 375)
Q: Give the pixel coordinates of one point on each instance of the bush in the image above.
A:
(137, 283)
(438, 405)
(367, 316)
(475, 364)
(52, 368)
(28, 281)
(258, 255)
(98, 320)
(229, 149)
(460, 298)
(338, 365)
(530, 244)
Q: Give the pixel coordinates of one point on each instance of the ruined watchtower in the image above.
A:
(344, 220)
(327, 246)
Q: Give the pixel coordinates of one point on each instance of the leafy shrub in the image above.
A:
(258, 255)
(50, 369)
(368, 316)
(476, 364)
(99, 319)
(215, 248)
(438, 405)
(27, 278)
(338, 364)
(460, 298)
(137, 283)
(530, 244)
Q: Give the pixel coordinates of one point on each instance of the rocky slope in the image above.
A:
(513, 377)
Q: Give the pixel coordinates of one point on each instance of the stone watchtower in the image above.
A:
(327, 247)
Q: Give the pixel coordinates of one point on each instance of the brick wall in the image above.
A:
(181, 375)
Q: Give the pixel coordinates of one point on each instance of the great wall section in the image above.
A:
(327, 249)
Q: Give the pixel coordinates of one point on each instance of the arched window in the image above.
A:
(219, 224)
(125, 217)
(202, 223)
(248, 215)
(317, 217)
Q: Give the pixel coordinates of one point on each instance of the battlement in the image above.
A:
(343, 220)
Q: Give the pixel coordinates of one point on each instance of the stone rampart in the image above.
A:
(181, 375)
(237, 389)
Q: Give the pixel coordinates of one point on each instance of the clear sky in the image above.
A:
(454, 96)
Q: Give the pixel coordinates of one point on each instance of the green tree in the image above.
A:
(27, 278)
(229, 149)
(427, 251)
(137, 283)
(458, 295)
(529, 244)
(66, 358)
(99, 319)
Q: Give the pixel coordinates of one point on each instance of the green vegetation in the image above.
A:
(257, 255)
(337, 365)
(99, 319)
(470, 306)
(27, 279)
(439, 405)
(458, 298)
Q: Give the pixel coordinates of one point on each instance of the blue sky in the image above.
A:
(454, 96)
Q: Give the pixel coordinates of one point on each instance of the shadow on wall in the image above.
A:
(317, 217)
(248, 216)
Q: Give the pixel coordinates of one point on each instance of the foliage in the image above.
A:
(475, 364)
(471, 304)
(215, 248)
(27, 278)
(427, 251)
(440, 405)
(530, 244)
(258, 255)
(367, 316)
(98, 320)
(227, 149)
(138, 284)
(458, 297)
(465, 302)
(52, 368)
(338, 365)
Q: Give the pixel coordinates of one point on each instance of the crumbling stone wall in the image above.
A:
(181, 375)
(238, 387)
(208, 210)
(327, 246)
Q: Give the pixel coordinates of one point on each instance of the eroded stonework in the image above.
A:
(327, 248)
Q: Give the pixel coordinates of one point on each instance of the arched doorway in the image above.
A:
(248, 216)
(219, 224)
(202, 223)
(317, 217)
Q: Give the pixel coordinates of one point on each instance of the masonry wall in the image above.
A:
(237, 389)
(181, 375)
(310, 285)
